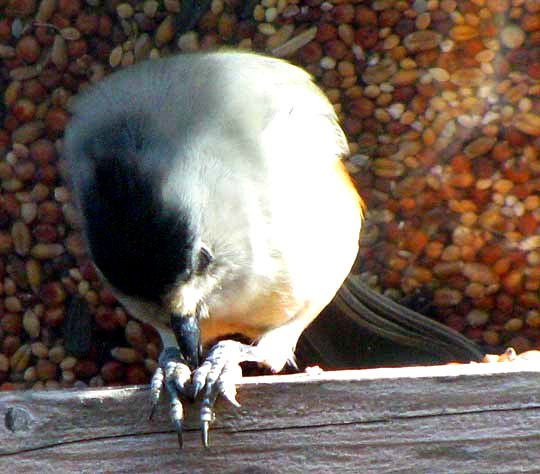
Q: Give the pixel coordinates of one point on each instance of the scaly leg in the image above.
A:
(219, 374)
(221, 371)
(176, 365)
(173, 374)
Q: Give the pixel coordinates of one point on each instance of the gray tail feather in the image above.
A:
(362, 310)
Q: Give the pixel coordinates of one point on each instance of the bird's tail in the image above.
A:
(358, 313)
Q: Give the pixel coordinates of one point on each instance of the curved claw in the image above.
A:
(177, 413)
(196, 388)
(153, 407)
(207, 416)
(200, 377)
(205, 428)
(174, 375)
(156, 385)
(218, 375)
(226, 384)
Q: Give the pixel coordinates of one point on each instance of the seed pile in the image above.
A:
(447, 127)
(440, 100)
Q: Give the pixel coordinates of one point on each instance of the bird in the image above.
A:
(216, 205)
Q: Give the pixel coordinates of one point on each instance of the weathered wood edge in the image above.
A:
(481, 443)
(33, 420)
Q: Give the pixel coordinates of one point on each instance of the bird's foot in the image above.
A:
(218, 375)
(173, 374)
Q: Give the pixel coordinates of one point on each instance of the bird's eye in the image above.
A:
(205, 258)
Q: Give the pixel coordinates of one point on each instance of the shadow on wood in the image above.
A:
(481, 418)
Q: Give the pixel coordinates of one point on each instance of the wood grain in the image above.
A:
(481, 418)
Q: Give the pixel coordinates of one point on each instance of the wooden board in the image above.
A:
(481, 418)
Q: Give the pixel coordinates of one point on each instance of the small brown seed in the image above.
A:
(86, 368)
(143, 46)
(512, 36)
(57, 354)
(52, 294)
(115, 57)
(4, 363)
(46, 251)
(59, 52)
(165, 31)
(112, 371)
(389, 169)
(53, 317)
(295, 43)
(39, 349)
(75, 244)
(127, 355)
(172, 6)
(24, 73)
(468, 77)
(22, 240)
(70, 34)
(380, 72)
(480, 273)
(68, 376)
(405, 77)
(71, 215)
(46, 370)
(528, 123)
(464, 32)
(480, 146)
(7, 52)
(30, 375)
(68, 363)
(12, 92)
(28, 132)
(514, 324)
(151, 365)
(96, 381)
(11, 323)
(152, 350)
(125, 10)
(52, 385)
(447, 297)
(24, 110)
(10, 345)
(19, 361)
(31, 324)
(135, 334)
(12, 304)
(422, 40)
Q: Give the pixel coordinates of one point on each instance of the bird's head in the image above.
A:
(146, 242)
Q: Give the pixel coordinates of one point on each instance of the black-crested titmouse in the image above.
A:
(215, 203)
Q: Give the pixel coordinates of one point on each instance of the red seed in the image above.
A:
(106, 319)
(10, 345)
(45, 233)
(46, 370)
(52, 294)
(53, 317)
(43, 151)
(28, 49)
(136, 374)
(86, 368)
(113, 371)
(69, 8)
(24, 110)
(11, 323)
(56, 119)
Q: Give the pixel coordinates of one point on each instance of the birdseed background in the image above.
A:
(440, 100)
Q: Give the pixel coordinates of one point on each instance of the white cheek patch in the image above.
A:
(186, 298)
